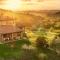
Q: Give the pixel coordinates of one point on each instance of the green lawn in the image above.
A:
(14, 51)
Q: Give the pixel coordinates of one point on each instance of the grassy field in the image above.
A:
(14, 51)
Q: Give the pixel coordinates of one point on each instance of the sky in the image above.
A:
(18, 5)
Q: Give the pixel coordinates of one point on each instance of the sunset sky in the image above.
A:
(18, 5)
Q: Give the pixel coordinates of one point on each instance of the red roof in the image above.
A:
(9, 29)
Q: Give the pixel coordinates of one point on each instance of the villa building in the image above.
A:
(9, 32)
(8, 29)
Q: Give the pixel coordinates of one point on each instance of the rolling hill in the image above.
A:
(31, 18)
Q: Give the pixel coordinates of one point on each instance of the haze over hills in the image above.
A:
(30, 18)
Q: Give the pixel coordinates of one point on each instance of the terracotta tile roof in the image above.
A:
(9, 29)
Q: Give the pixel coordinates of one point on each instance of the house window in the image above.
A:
(9, 22)
(18, 34)
(4, 35)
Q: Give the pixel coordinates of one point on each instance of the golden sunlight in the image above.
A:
(12, 4)
(24, 5)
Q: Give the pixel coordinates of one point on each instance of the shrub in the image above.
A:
(41, 42)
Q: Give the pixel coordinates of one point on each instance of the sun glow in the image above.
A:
(20, 5)
(12, 4)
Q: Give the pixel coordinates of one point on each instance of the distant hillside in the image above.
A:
(30, 18)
